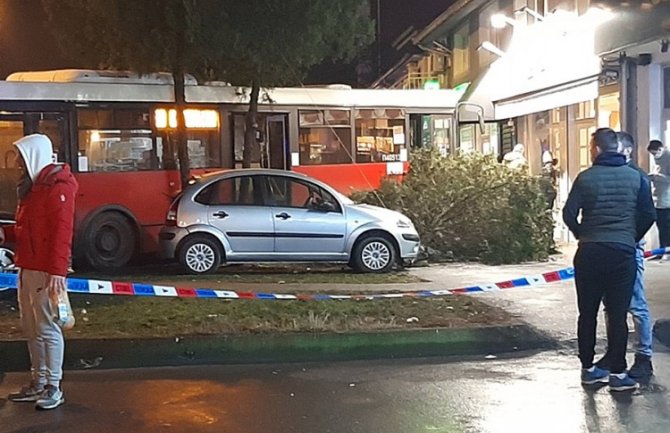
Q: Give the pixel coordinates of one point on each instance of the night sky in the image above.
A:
(27, 44)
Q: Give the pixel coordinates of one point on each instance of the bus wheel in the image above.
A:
(200, 254)
(110, 241)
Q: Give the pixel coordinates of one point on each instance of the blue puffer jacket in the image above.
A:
(614, 200)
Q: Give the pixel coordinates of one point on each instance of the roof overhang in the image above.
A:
(547, 65)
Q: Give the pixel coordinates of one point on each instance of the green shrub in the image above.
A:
(470, 207)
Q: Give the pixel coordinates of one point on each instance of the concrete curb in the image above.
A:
(281, 348)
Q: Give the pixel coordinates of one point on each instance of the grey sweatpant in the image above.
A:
(45, 338)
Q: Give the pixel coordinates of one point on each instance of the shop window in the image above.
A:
(325, 137)
(585, 110)
(380, 136)
(539, 6)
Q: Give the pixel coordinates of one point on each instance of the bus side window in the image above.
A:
(116, 140)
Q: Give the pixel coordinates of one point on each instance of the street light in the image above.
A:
(499, 21)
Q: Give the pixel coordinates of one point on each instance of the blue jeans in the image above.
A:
(640, 310)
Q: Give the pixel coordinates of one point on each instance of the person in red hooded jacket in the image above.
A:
(43, 238)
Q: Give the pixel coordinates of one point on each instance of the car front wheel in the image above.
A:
(200, 255)
(373, 254)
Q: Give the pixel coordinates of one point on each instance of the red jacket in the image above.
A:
(44, 222)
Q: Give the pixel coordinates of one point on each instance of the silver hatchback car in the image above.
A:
(268, 215)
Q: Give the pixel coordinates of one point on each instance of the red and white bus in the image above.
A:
(116, 130)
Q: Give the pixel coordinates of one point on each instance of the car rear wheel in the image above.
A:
(374, 254)
(200, 255)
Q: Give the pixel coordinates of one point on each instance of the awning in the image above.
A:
(549, 64)
(559, 96)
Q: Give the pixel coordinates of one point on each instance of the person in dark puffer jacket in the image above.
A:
(616, 209)
(43, 236)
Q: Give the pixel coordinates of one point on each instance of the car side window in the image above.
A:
(287, 192)
(241, 190)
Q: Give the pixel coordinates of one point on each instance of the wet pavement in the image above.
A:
(529, 393)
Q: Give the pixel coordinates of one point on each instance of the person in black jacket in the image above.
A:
(616, 209)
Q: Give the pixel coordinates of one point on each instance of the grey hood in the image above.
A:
(37, 151)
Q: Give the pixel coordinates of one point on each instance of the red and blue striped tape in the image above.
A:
(89, 286)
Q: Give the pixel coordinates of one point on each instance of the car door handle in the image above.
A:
(220, 214)
(283, 215)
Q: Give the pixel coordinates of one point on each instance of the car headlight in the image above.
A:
(404, 224)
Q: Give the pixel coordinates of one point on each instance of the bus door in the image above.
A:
(277, 144)
(13, 126)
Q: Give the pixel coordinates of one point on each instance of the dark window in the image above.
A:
(287, 192)
(243, 190)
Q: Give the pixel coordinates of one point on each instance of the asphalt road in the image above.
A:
(527, 394)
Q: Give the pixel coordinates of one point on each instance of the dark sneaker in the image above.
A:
(595, 375)
(641, 368)
(51, 398)
(27, 394)
(622, 383)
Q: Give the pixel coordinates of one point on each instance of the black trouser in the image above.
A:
(604, 272)
(663, 224)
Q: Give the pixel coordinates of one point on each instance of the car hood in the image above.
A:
(377, 213)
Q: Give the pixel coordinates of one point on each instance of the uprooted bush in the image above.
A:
(470, 207)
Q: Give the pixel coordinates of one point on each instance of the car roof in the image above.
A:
(209, 177)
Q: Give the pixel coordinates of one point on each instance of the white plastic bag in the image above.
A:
(64, 316)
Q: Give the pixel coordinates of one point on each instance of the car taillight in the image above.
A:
(171, 217)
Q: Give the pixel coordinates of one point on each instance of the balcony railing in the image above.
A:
(417, 80)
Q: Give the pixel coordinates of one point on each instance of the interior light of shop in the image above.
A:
(201, 118)
(499, 21)
(462, 87)
(488, 46)
(431, 85)
(95, 136)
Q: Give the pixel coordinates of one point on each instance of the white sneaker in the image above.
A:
(51, 398)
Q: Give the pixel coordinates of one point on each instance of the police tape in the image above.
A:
(102, 287)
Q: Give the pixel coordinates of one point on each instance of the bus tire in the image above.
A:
(110, 241)
(373, 253)
(200, 254)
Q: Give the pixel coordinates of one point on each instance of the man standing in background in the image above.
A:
(661, 180)
(642, 369)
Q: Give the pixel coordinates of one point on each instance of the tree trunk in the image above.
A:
(251, 125)
(180, 101)
(180, 133)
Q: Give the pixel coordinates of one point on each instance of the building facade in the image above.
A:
(548, 73)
